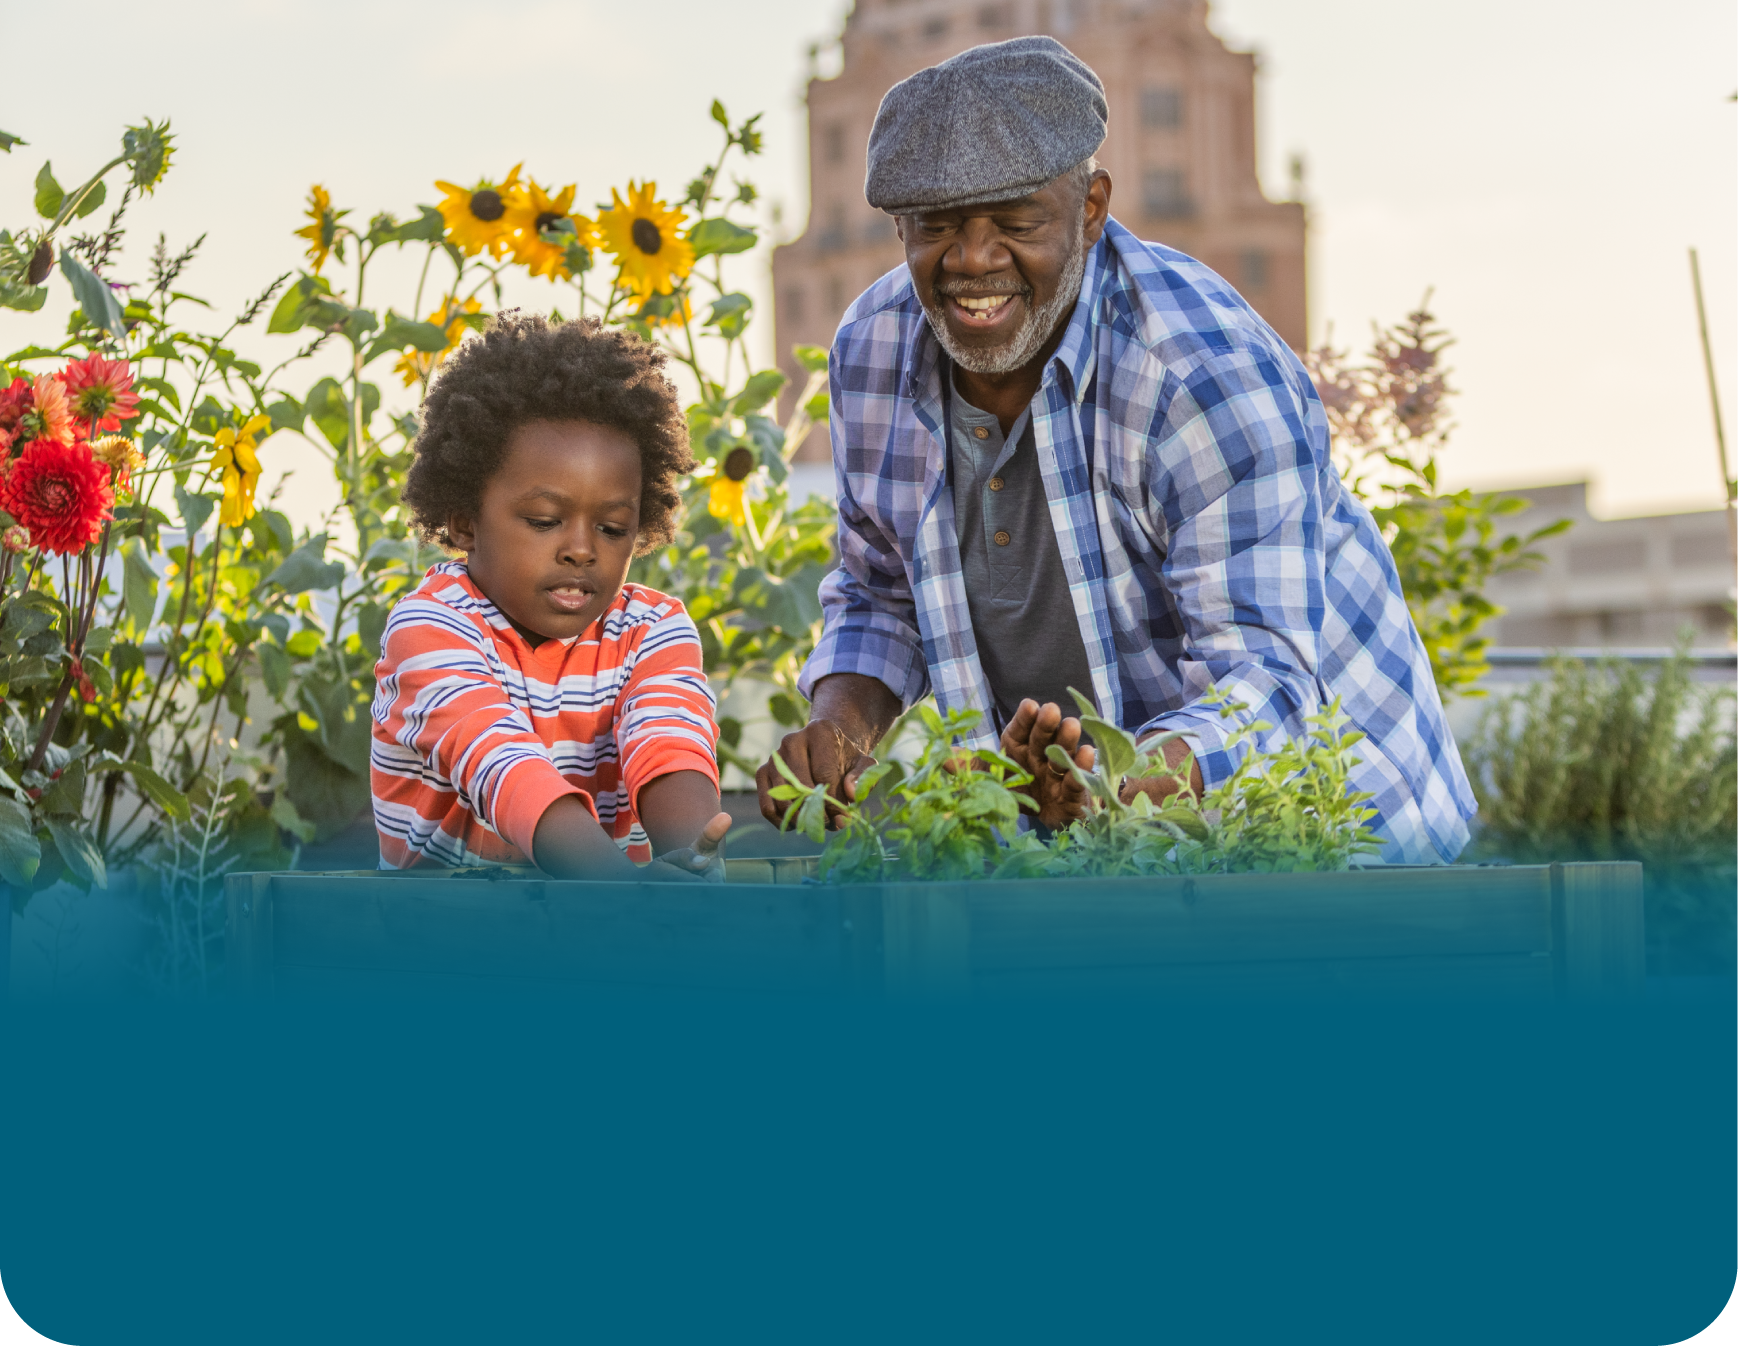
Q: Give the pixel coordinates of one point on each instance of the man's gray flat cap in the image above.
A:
(992, 124)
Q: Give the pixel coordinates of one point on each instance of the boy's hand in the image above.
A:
(703, 861)
(1059, 796)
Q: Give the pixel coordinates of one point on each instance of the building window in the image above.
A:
(836, 298)
(934, 28)
(1162, 109)
(1164, 195)
(833, 144)
(1252, 270)
(879, 229)
(833, 235)
(994, 16)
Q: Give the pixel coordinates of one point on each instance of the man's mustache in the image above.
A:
(965, 289)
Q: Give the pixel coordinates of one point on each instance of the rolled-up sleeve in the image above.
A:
(869, 618)
(1235, 478)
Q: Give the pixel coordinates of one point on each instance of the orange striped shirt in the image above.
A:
(476, 733)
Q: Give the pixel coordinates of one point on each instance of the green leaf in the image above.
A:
(760, 389)
(401, 332)
(95, 298)
(285, 815)
(152, 787)
(304, 644)
(92, 199)
(720, 236)
(286, 414)
(811, 358)
(329, 407)
(20, 853)
(305, 569)
(371, 625)
(7, 141)
(274, 667)
(729, 314)
(425, 228)
(79, 852)
(308, 303)
(49, 196)
(719, 115)
(138, 585)
(819, 408)
(195, 509)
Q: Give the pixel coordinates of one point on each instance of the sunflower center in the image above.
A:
(546, 219)
(738, 463)
(487, 205)
(647, 238)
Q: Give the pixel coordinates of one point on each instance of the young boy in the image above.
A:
(531, 705)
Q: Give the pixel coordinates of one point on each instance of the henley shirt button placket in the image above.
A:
(996, 483)
(981, 431)
(1003, 538)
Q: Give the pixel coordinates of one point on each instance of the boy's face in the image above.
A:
(554, 534)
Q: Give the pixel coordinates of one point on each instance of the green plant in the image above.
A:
(1608, 763)
(1389, 420)
(1288, 809)
(942, 817)
(954, 813)
(1604, 763)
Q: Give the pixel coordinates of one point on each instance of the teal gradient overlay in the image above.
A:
(592, 1164)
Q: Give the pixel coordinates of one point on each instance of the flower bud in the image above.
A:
(41, 263)
(16, 539)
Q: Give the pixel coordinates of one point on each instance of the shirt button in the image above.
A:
(981, 431)
(1002, 538)
(996, 483)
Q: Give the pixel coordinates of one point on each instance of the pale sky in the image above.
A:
(1544, 166)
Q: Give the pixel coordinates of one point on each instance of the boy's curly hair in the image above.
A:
(525, 369)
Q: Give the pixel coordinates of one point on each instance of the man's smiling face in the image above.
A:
(998, 281)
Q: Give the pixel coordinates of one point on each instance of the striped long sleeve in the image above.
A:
(476, 732)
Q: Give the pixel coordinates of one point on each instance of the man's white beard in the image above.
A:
(1029, 338)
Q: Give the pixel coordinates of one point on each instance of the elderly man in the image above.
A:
(1068, 458)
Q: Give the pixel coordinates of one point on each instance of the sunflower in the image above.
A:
(533, 211)
(414, 365)
(238, 464)
(323, 232)
(641, 234)
(477, 216)
(725, 500)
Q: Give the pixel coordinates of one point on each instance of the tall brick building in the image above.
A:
(1181, 150)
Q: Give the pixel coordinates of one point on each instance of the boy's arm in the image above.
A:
(571, 844)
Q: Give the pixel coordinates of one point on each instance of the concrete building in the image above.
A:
(1616, 582)
(1181, 150)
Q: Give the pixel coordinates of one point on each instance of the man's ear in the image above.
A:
(1097, 206)
(462, 529)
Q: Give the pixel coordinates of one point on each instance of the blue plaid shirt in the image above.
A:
(1207, 537)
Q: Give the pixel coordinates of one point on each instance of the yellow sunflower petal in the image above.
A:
(724, 500)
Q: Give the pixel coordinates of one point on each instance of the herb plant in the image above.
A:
(943, 817)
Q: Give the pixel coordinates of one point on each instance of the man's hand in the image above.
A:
(1160, 788)
(847, 718)
(820, 753)
(1060, 797)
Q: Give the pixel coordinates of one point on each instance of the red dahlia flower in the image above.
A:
(60, 493)
(101, 393)
(15, 401)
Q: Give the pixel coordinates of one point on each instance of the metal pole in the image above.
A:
(1726, 478)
